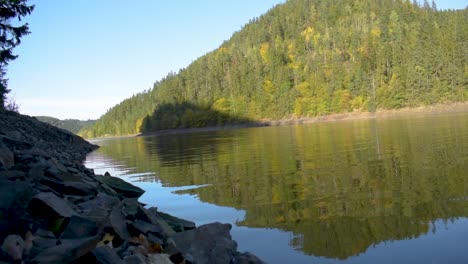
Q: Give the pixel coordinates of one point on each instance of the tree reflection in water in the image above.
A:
(338, 187)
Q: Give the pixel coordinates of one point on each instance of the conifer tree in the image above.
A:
(10, 36)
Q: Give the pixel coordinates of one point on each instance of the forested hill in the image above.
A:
(308, 58)
(72, 125)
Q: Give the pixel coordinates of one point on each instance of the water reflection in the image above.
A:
(339, 188)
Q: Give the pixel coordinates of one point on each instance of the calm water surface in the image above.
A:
(365, 191)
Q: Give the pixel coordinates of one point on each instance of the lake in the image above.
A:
(391, 190)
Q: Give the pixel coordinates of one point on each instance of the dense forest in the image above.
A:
(307, 58)
(72, 125)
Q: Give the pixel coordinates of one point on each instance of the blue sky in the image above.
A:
(85, 56)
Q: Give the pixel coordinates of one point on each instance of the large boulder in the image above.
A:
(210, 243)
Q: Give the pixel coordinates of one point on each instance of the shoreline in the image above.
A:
(53, 209)
(458, 107)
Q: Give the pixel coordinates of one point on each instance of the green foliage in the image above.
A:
(308, 58)
(72, 125)
(10, 36)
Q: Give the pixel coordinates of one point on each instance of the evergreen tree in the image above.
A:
(10, 36)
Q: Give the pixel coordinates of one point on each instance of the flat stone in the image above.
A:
(47, 204)
(177, 224)
(119, 224)
(120, 186)
(79, 188)
(166, 230)
(106, 255)
(138, 227)
(73, 170)
(98, 208)
(247, 258)
(68, 251)
(79, 227)
(53, 183)
(154, 239)
(40, 244)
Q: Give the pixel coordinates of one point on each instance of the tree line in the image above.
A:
(72, 125)
(307, 58)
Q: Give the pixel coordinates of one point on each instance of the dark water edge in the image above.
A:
(425, 209)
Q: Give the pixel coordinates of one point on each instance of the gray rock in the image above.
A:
(36, 172)
(13, 246)
(121, 186)
(135, 259)
(154, 239)
(159, 259)
(50, 205)
(130, 207)
(106, 255)
(56, 166)
(15, 141)
(138, 227)
(166, 230)
(53, 183)
(40, 244)
(108, 190)
(44, 188)
(68, 251)
(44, 233)
(79, 227)
(36, 152)
(14, 199)
(209, 243)
(20, 167)
(7, 158)
(73, 170)
(13, 175)
(247, 258)
(119, 224)
(99, 208)
(79, 188)
(175, 223)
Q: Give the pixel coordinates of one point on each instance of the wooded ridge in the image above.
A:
(308, 58)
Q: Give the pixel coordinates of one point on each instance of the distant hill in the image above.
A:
(308, 58)
(72, 125)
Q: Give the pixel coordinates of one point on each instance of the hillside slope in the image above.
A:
(307, 58)
(72, 125)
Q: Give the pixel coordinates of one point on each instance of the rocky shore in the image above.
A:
(55, 210)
